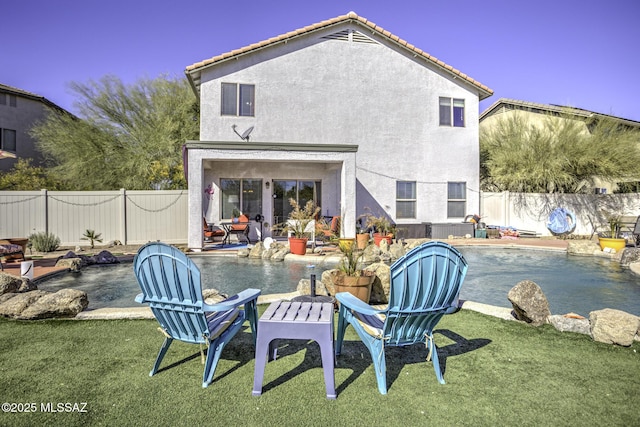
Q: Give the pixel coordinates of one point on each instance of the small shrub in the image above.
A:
(44, 242)
(92, 237)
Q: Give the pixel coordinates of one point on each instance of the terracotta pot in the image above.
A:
(298, 245)
(346, 243)
(616, 244)
(362, 240)
(377, 237)
(358, 286)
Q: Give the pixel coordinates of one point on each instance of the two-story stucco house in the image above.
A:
(341, 112)
(19, 111)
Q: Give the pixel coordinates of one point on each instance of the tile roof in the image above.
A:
(193, 70)
(551, 108)
(15, 91)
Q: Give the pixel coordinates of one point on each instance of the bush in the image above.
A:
(44, 242)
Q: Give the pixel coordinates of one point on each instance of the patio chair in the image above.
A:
(425, 284)
(210, 232)
(241, 228)
(170, 284)
(9, 250)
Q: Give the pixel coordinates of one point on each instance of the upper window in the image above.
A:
(8, 140)
(405, 199)
(456, 199)
(451, 112)
(238, 99)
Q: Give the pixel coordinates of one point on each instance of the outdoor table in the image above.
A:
(295, 320)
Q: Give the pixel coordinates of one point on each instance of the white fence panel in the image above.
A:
(152, 216)
(530, 211)
(72, 213)
(22, 213)
(132, 217)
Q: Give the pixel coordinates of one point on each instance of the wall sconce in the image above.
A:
(267, 184)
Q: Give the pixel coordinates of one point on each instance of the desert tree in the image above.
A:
(557, 155)
(125, 135)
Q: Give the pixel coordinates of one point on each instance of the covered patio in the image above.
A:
(258, 178)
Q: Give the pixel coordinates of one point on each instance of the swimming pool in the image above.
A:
(571, 283)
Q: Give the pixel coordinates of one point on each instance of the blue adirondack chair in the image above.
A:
(170, 284)
(425, 284)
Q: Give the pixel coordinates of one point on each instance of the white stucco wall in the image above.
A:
(376, 96)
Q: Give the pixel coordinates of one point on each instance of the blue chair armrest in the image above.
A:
(234, 301)
(351, 302)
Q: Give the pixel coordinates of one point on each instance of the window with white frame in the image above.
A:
(451, 112)
(238, 100)
(405, 199)
(8, 140)
(456, 199)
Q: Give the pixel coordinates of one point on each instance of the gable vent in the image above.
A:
(350, 36)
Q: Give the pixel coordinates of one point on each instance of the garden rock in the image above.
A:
(614, 326)
(371, 254)
(570, 324)
(105, 257)
(529, 303)
(630, 256)
(329, 280)
(64, 303)
(73, 264)
(381, 283)
(582, 247)
(396, 250)
(257, 251)
(9, 283)
(14, 307)
(635, 268)
(304, 287)
(213, 296)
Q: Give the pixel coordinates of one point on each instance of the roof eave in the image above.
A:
(193, 71)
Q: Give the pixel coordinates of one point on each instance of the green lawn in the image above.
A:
(497, 372)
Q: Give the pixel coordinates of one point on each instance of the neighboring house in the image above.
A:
(19, 111)
(341, 112)
(539, 113)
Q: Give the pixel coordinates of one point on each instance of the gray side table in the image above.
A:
(295, 320)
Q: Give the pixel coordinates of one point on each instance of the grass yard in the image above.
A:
(498, 373)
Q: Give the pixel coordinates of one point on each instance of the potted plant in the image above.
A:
(611, 239)
(355, 280)
(382, 226)
(235, 214)
(362, 238)
(297, 225)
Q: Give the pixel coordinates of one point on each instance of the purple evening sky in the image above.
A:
(583, 54)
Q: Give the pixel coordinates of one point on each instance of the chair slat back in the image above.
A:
(170, 283)
(424, 284)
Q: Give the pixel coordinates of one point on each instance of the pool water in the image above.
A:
(570, 283)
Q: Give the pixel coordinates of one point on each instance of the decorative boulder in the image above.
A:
(630, 256)
(257, 250)
(304, 287)
(14, 307)
(613, 326)
(9, 283)
(529, 303)
(73, 264)
(381, 283)
(105, 257)
(568, 323)
(64, 303)
(213, 296)
(582, 247)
